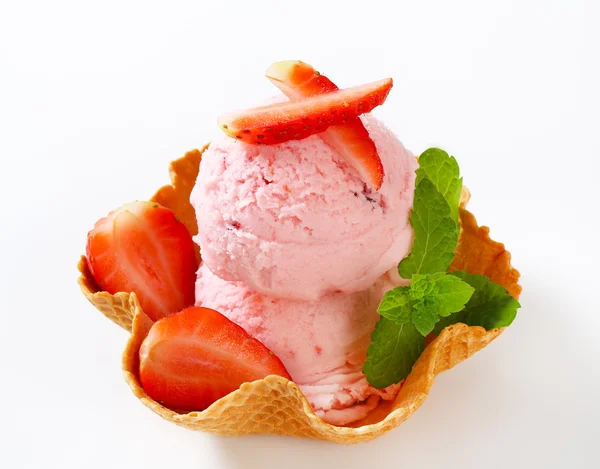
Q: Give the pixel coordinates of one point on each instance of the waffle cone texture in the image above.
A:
(275, 405)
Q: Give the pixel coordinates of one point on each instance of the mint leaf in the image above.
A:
(435, 233)
(426, 299)
(434, 216)
(396, 305)
(436, 295)
(393, 351)
(442, 169)
(424, 317)
(449, 292)
(490, 307)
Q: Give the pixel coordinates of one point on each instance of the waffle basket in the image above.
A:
(275, 405)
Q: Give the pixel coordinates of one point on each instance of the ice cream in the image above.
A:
(321, 343)
(294, 220)
(298, 248)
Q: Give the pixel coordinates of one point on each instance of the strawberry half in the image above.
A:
(193, 358)
(298, 80)
(295, 120)
(142, 248)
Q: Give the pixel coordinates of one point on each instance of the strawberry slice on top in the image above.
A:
(298, 80)
(143, 248)
(193, 358)
(298, 119)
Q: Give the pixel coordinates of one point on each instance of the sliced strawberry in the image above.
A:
(295, 120)
(193, 358)
(142, 248)
(298, 80)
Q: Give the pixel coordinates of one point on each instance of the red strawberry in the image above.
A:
(193, 358)
(298, 80)
(295, 120)
(142, 248)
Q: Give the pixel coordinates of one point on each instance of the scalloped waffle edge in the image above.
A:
(275, 405)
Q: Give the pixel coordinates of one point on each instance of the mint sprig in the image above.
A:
(435, 296)
(427, 299)
(435, 299)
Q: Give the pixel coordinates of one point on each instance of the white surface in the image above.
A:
(95, 100)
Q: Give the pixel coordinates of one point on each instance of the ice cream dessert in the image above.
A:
(301, 237)
(336, 273)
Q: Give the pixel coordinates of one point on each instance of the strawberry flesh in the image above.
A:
(142, 248)
(298, 119)
(193, 358)
(299, 80)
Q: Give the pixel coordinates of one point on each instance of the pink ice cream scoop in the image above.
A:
(294, 220)
(322, 343)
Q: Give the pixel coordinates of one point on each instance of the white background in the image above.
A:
(97, 97)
